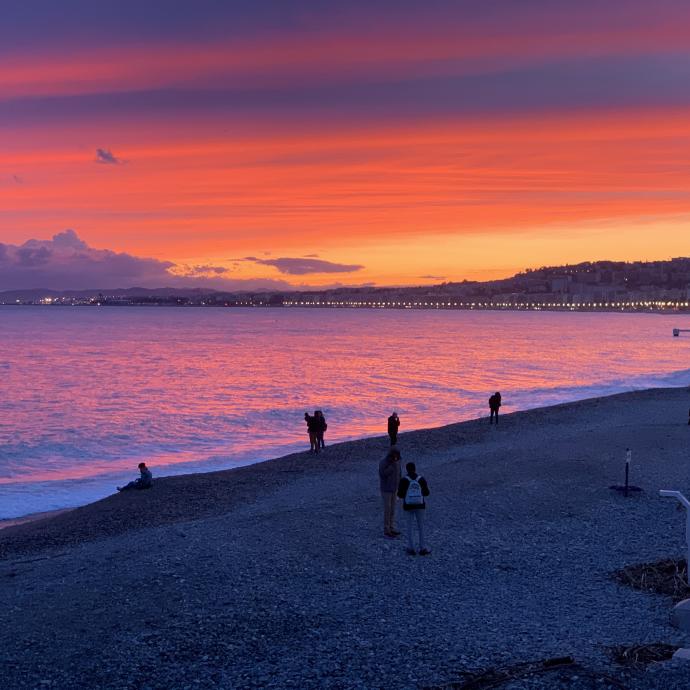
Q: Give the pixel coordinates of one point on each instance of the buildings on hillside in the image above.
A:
(590, 285)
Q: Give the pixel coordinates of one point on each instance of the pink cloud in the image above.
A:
(66, 262)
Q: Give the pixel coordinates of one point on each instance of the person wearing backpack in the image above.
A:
(413, 489)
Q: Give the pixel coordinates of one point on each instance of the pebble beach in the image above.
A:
(277, 575)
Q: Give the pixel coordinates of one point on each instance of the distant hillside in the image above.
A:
(598, 281)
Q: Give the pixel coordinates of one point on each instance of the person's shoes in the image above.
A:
(119, 488)
(425, 552)
(395, 532)
(389, 535)
(410, 552)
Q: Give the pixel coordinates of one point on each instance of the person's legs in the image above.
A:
(392, 508)
(419, 515)
(496, 415)
(410, 524)
(131, 485)
(386, 496)
(393, 437)
(320, 439)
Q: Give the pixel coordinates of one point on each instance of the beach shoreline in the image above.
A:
(31, 517)
(277, 575)
(292, 463)
(235, 464)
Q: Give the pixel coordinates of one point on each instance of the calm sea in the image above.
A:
(87, 393)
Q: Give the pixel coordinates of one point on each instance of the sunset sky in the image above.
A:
(271, 143)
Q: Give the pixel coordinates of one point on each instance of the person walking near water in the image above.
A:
(311, 430)
(413, 489)
(321, 427)
(389, 478)
(494, 405)
(393, 426)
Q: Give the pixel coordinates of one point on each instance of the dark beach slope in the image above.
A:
(276, 575)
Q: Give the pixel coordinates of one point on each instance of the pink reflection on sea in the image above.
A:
(87, 393)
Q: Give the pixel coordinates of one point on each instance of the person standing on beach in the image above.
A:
(393, 426)
(321, 427)
(413, 489)
(145, 481)
(389, 478)
(494, 405)
(312, 423)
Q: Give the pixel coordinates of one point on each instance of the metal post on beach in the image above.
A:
(626, 488)
(686, 504)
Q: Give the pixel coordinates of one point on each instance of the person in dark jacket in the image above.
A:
(312, 424)
(389, 478)
(494, 405)
(413, 489)
(393, 426)
(145, 481)
(321, 427)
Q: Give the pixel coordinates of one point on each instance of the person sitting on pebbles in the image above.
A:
(144, 482)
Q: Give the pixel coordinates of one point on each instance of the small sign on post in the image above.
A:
(626, 488)
(686, 504)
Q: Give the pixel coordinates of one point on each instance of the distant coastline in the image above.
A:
(596, 307)
(589, 286)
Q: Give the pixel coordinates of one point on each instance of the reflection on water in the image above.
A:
(87, 392)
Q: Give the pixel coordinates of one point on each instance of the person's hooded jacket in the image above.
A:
(389, 473)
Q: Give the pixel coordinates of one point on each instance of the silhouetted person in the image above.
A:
(389, 479)
(312, 423)
(393, 426)
(321, 427)
(413, 489)
(494, 405)
(145, 481)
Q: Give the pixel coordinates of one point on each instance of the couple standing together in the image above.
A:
(316, 427)
(412, 489)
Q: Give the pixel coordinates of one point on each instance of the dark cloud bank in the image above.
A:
(305, 266)
(66, 262)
